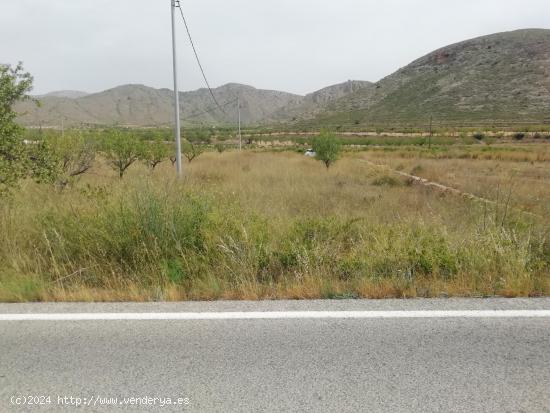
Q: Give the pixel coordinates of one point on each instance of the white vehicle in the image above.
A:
(311, 153)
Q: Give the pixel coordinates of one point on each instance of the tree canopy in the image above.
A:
(15, 84)
(327, 148)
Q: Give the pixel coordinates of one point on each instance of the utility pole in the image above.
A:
(431, 132)
(239, 111)
(177, 132)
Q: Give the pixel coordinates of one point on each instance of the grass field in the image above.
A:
(261, 224)
(515, 174)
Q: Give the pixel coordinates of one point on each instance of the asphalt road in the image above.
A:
(440, 364)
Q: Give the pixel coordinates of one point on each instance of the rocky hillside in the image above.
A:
(501, 77)
(317, 102)
(504, 76)
(138, 105)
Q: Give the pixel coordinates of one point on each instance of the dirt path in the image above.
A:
(443, 188)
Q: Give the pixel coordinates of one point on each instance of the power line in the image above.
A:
(178, 4)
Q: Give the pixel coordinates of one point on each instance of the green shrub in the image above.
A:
(327, 148)
(387, 180)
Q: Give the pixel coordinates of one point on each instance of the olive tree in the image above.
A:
(327, 148)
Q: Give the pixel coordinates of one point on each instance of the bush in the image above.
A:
(479, 136)
(327, 148)
(519, 136)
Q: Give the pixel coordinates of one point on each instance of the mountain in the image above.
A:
(71, 94)
(138, 105)
(500, 77)
(318, 101)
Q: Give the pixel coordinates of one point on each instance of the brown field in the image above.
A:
(518, 175)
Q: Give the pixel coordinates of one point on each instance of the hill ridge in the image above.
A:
(497, 77)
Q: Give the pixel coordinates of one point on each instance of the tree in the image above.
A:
(14, 86)
(198, 135)
(42, 166)
(173, 159)
(156, 151)
(121, 150)
(327, 148)
(191, 150)
(77, 155)
(58, 159)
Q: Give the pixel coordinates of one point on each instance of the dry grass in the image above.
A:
(261, 225)
(519, 178)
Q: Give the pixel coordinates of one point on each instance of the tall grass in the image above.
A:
(261, 225)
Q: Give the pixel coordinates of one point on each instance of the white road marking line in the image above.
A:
(259, 315)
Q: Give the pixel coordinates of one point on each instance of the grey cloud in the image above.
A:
(292, 45)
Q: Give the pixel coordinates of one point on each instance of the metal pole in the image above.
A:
(431, 133)
(174, 4)
(239, 110)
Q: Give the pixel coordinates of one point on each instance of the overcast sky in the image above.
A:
(292, 45)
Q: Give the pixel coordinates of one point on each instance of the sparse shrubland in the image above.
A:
(262, 225)
(98, 214)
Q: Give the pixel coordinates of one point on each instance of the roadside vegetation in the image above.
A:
(262, 225)
(98, 215)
